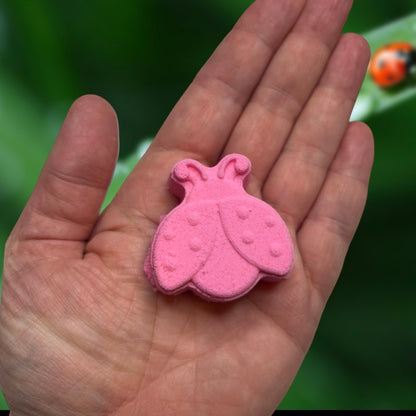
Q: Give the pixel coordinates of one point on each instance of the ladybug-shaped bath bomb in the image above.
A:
(392, 64)
(219, 241)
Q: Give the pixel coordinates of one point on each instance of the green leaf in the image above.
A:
(373, 99)
(3, 404)
(123, 169)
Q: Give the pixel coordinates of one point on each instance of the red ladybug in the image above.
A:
(392, 64)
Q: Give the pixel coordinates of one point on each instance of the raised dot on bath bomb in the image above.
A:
(195, 244)
(194, 218)
(247, 237)
(170, 266)
(242, 212)
(274, 249)
(270, 221)
(168, 235)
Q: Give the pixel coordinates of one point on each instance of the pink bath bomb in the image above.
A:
(219, 241)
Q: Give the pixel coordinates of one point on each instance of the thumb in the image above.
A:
(71, 188)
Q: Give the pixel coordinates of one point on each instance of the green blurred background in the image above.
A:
(141, 55)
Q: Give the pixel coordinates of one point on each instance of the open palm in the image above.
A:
(83, 333)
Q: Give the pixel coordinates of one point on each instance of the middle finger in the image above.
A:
(286, 85)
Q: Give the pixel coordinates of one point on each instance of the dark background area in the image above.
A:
(140, 56)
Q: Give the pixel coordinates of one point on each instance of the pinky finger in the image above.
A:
(332, 221)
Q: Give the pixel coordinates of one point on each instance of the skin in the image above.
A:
(81, 330)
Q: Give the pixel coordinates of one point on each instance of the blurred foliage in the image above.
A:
(140, 56)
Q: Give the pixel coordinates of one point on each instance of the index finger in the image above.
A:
(201, 122)
(203, 119)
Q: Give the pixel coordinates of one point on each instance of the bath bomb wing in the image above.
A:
(182, 244)
(258, 234)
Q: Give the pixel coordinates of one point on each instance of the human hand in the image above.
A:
(81, 330)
